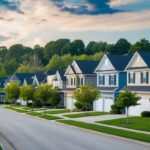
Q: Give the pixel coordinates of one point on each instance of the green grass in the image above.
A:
(112, 131)
(0, 147)
(137, 123)
(41, 115)
(84, 114)
(59, 111)
(16, 109)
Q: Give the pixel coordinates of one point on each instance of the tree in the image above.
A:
(86, 95)
(43, 94)
(12, 91)
(2, 71)
(77, 47)
(142, 45)
(27, 93)
(121, 47)
(89, 49)
(127, 99)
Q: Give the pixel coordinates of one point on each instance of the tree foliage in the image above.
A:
(127, 99)
(12, 91)
(85, 95)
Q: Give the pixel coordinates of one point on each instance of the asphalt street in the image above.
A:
(23, 132)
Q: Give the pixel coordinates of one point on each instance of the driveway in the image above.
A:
(93, 119)
(29, 133)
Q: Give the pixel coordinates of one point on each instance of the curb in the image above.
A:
(105, 134)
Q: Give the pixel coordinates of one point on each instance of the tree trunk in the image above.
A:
(127, 115)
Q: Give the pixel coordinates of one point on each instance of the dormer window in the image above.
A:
(131, 78)
(145, 77)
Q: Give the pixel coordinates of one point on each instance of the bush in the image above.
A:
(81, 107)
(115, 109)
(145, 114)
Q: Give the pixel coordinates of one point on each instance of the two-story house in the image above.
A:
(138, 81)
(50, 76)
(80, 72)
(20, 78)
(111, 77)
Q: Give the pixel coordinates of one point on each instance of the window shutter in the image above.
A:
(129, 78)
(109, 79)
(141, 77)
(114, 79)
(133, 77)
(103, 80)
(147, 77)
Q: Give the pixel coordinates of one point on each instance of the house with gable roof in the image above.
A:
(80, 72)
(138, 81)
(111, 78)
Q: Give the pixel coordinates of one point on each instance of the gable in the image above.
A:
(76, 67)
(136, 62)
(105, 65)
(69, 71)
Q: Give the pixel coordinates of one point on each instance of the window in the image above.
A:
(144, 77)
(72, 81)
(81, 81)
(131, 77)
(101, 80)
(112, 79)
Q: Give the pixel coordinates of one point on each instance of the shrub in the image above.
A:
(81, 107)
(145, 114)
(115, 109)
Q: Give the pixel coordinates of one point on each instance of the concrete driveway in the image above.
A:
(29, 133)
(93, 119)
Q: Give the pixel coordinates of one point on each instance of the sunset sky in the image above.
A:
(33, 22)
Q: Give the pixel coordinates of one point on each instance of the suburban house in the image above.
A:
(21, 78)
(50, 76)
(80, 72)
(59, 81)
(138, 81)
(38, 79)
(111, 78)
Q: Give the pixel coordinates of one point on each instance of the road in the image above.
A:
(29, 133)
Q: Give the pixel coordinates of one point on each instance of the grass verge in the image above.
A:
(137, 123)
(112, 131)
(84, 114)
(16, 109)
(59, 111)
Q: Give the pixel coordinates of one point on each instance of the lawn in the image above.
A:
(16, 109)
(0, 147)
(116, 132)
(59, 111)
(48, 117)
(137, 123)
(84, 114)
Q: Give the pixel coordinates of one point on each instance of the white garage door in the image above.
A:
(103, 104)
(70, 102)
(144, 106)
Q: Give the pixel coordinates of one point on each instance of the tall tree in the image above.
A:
(142, 45)
(121, 47)
(2, 71)
(77, 47)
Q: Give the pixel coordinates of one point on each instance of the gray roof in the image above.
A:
(87, 66)
(119, 61)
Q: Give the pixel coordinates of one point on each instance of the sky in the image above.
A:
(32, 22)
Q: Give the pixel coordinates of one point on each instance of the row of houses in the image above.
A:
(112, 75)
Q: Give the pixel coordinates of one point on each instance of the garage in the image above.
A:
(104, 103)
(144, 106)
(70, 102)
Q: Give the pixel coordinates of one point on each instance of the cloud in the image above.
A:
(43, 19)
(3, 38)
(116, 3)
(90, 7)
